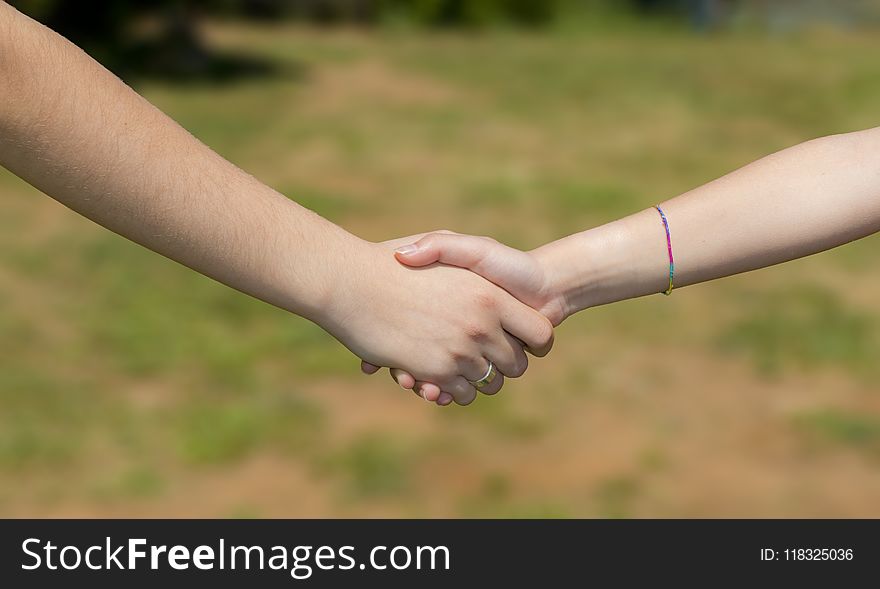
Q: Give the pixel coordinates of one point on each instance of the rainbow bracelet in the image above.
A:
(668, 291)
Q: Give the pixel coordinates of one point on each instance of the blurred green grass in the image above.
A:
(126, 380)
(805, 327)
(841, 429)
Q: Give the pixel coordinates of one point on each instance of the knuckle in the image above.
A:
(457, 389)
(441, 369)
(450, 367)
(485, 300)
(476, 332)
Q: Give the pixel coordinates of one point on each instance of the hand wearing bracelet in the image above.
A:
(557, 280)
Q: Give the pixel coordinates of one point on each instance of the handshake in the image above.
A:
(492, 318)
(457, 314)
(452, 315)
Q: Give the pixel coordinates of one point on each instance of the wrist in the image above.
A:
(313, 268)
(576, 270)
(617, 261)
(341, 292)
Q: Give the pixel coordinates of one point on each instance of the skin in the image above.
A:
(794, 203)
(73, 130)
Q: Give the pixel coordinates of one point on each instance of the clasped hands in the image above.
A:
(478, 301)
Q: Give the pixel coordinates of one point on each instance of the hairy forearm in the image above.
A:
(76, 132)
(791, 204)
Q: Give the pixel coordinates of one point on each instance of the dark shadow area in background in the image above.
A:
(159, 39)
(197, 64)
(153, 39)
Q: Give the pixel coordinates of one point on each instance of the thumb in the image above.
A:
(511, 269)
(464, 251)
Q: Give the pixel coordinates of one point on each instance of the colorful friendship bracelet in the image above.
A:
(668, 291)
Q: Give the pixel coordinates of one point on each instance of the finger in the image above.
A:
(507, 353)
(497, 382)
(444, 399)
(403, 378)
(474, 368)
(527, 325)
(428, 391)
(368, 368)
(463, 392)
(494, 386)
(482, 371)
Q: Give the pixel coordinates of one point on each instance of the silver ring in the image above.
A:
(487, 379)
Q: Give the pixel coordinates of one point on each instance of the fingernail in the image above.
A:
(407, 249)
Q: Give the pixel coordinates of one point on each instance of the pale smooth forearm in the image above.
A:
(76, 132)
(791, 204)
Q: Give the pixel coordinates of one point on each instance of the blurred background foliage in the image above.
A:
(115, 32)
(132, 386)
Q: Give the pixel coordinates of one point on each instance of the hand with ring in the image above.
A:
(512, 270)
